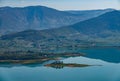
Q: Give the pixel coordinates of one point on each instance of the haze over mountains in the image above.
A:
(40, 17)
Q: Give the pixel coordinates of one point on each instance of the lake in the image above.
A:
(107, 58)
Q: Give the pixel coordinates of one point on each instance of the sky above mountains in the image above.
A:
(64, 4)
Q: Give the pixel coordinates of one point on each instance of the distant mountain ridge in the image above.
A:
(39, 18)
(109, 21)
(98, 11)
(101, 30)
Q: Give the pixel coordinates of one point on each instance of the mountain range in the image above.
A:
(15, 19)
(101, 30)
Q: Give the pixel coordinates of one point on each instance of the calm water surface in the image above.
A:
(109, 71)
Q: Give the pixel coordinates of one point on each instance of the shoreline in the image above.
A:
(37, 59)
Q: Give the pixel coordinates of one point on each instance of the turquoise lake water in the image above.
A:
(108, 58)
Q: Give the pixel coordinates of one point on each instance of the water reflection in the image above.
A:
(58, 67)
(26, 65)
(107, 72)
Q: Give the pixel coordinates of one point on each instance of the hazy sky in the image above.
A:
(65, 4)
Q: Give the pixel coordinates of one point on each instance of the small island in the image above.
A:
(60, 64)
